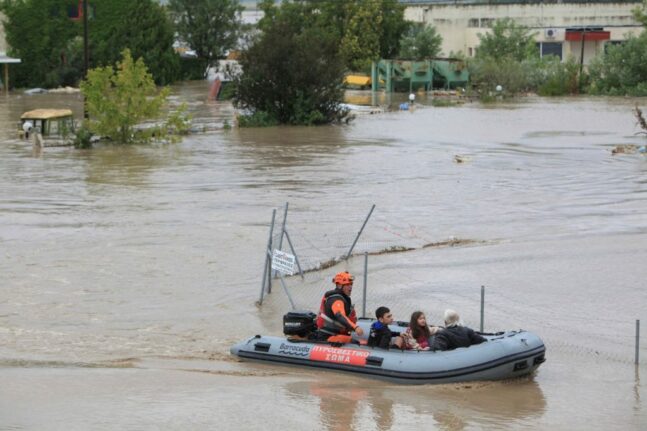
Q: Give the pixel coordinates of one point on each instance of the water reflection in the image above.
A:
(339, 404)
(637, 406)
(284, 147)
(123, 165)
(452, 407)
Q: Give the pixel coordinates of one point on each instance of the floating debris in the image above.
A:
(624, 149)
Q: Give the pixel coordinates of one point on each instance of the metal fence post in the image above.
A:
(287, 292)
(637, 342)
(296, 258)
(365, 283)
(360, 232)
(482, 306)
(267, 258)
(285, 217)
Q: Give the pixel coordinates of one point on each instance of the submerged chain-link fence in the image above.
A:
(396, 263)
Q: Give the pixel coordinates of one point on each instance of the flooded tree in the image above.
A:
(46, 35)
(40, 34)
(367, 29)
(622, 69)
(210, 27)
(292, 72)
(144, 28)
(120, 99)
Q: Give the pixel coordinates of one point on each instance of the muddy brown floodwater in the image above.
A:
(128, 272)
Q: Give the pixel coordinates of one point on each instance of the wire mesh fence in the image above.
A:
(397, 274)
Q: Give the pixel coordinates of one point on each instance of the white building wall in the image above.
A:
(460, 24)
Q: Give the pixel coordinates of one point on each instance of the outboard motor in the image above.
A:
(299, 323)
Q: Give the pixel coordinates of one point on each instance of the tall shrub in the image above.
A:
(119, 99)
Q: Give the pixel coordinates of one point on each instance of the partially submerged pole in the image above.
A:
(482, 307)
(285, 216)
(268, 257)
(365, 283)
(637, 361)
(296, 258)
(86, 53)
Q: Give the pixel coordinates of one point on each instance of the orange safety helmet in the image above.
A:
(343, 279)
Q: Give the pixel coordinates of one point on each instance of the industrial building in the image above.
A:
(559, 27)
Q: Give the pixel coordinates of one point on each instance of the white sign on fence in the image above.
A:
(283, 262)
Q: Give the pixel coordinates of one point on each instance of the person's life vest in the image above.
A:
(326, 320)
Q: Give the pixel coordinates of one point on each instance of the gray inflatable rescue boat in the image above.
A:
(505, 355)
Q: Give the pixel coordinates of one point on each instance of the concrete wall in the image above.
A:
(460, 24)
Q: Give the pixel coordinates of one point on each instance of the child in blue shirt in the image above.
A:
(380, 335)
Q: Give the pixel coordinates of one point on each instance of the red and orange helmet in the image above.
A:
(343, 279)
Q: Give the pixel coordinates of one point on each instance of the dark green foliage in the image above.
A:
(210, 27)
(51, 48)
(622, 70)
(192, 68)
(143, 27)
(560, 78)
(507, 40)
(83, 138)
(39, 33)
(509, 57)
(486, 73)
(420, 42)
(366, 30)
(292, 73)
(228, 91)
(640, 13)
(257, 119)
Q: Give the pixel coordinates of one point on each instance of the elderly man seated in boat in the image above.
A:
(455, 334)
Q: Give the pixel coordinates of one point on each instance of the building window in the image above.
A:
(551, 48)
(612, 43)
(473, 22)
(470, 52)
(487, 22)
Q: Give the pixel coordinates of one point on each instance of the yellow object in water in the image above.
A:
(358, 80)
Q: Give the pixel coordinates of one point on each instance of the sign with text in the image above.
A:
(339, 355)
(283, 262)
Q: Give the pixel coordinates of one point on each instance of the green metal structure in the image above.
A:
(405, 75)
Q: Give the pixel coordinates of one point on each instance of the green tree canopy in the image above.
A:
(622, 70)
(366, 30)
(292, 72)
(40, 33)
(640, 13)
(420, 42)
(48, 41)
(143, 27)
(118, 99)
(210, 27)
(507, 39)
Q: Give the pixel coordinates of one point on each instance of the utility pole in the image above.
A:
(86, 52)
(582, 58)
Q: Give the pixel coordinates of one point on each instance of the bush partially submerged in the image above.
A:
(292, 73)
(119, 100)
(622, 70)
